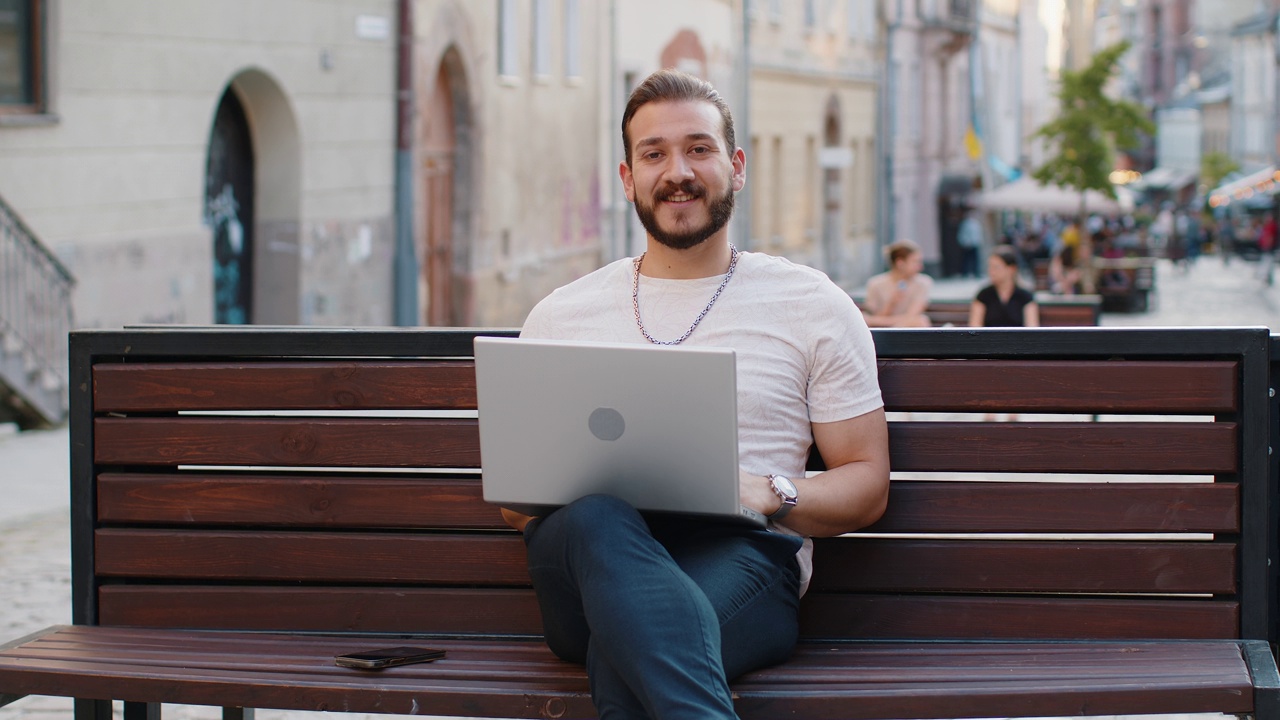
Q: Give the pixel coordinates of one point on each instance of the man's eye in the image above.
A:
(701, 150)
(653, 155)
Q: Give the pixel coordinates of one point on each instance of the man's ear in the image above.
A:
(739, 169)
(628, 181)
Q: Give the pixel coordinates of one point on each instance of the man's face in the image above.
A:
(682, 176)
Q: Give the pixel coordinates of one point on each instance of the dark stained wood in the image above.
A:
(338, 442)
(1085, 566)
(1155, 447)
(1205, 387)
(320, 385)
(932, 617)
(508, 611)
(403, 501)
(403, 609)
(522, 679)
(1063, 507)
(882, 564)
(313, 556)
(389, 501)
(320, 524)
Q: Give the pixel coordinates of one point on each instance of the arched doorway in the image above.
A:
(445, 170)
(253, 191)
(229, 205)
(833, 258)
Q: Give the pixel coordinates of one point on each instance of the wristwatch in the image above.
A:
(785, 489)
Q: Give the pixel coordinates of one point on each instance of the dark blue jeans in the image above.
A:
(663, 611)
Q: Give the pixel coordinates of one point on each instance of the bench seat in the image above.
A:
(510, 678)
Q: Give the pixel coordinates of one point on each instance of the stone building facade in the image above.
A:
(813, 158)
(130, 161)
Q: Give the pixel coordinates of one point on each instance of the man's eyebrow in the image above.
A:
(657, 140)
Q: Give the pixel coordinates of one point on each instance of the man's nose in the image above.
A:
(679, 168)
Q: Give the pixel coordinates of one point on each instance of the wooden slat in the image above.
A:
(881, 564)
(1157, 447)
(403, 501)
(496, 611)
(397, 501)
(339, 442)
(404, 609)
(312, 556)
(1112, 447)
(1113, 386)
(921, 565)
(1060, 507)
(522, 679)
(933, 617)
(278, 385)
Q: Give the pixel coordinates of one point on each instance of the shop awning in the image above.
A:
(1166, 178)
(1259, 182)
(1027, 195)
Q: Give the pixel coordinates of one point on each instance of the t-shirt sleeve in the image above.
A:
(843, 381)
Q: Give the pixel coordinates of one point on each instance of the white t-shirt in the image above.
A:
(804, 352)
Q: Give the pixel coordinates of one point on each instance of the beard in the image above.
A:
(719, 212)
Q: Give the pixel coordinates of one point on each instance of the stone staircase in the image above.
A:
(35, 316)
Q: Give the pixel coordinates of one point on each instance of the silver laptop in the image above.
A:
(655, 426)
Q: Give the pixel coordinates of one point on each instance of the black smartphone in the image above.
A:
(387, 657)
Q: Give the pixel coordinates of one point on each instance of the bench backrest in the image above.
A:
(310, 479)
(1080, 311)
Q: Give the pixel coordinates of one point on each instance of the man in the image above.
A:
(664, 610)
(970, 237)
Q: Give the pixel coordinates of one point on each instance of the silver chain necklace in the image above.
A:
(635, 299)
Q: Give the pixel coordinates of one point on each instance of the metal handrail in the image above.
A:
(35, 304)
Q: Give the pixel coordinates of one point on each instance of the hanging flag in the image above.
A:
(972, 143)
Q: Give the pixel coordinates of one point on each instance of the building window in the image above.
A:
(572, 40)
(507, 42)
(21, 61)
(541, 38)
(810, 14)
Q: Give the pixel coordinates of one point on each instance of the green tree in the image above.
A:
(1084, 135)
(1214, 166)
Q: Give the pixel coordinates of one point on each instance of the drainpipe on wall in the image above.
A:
(886, 209)
(405, 266)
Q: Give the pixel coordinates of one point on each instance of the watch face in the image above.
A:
(785, 486)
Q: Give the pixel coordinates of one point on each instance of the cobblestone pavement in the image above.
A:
(35, 586)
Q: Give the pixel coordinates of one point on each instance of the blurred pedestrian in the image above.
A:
(971, 238)
(1004, 303)
(898, 298)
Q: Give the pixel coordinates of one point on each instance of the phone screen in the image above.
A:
(388, 657)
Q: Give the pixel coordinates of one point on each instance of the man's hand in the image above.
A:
(754, 492)
(515, 519)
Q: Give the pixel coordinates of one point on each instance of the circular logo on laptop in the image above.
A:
(606, 424)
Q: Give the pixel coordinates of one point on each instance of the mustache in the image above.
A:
(687, 187)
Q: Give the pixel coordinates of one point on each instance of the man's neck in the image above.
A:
(707, 259)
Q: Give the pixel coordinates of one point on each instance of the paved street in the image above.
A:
(35, 549)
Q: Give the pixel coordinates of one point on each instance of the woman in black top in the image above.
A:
(1003, 303)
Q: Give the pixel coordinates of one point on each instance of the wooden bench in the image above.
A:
(247, 503)
(1055, 311)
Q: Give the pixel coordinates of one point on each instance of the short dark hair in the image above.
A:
(674, 86)
(1007, 254)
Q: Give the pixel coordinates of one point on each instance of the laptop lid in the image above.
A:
(656, 426)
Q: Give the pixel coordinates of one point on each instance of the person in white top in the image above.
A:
(665, 610)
